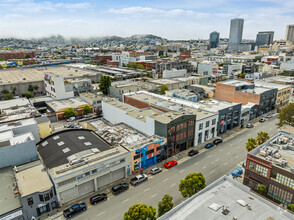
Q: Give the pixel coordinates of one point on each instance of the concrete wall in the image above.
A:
(45, 129)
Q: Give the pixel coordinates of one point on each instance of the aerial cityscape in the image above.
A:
(168, 110)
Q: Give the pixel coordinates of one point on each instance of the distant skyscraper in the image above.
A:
(264, 38)
(236, 32)
(213, 39)
(290, 33)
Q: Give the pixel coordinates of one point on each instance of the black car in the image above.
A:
(119, 188)
(98, 198)
(193, 152)
(218, 141)
(209, 145)
(74, 209)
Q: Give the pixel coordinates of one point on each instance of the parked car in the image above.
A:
(79, 116)
(98, 198)
(218, 141)
(138, 179)
(249, 126)
(193, 152)
(155, 170)
(268, 116)
(71, 119)
(170, 164)
(237, 172)
(119, 188)
(262, 120)
(88, 115)
(209, 145)
(74, 209)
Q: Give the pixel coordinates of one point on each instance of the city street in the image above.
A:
(212, 163)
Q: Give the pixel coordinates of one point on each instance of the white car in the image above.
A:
(155, 170)
(268, 116)
(71, 119)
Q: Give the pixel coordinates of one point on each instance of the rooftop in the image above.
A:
(17, 124)
(8, 200)
(92, 96)
(226, 193)
(58, 105)
(26, 180)
(42, 119)
(270, 85)
(7, 138)
(235, 83)
(14, 103)
(279, 151)
(56, 149)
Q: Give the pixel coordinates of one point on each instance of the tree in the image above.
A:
(286, 115)
(241, 75)
(27, 56)
(8, 96)
(262, 137)
(261, 188)
(69, 112)
(4, 91)
(163, 89)
(28, 95)
(100, 62)
(87, 109)
(31, 88)
(165, 205)
(221, 64)
(140, 66)
(291, 207)
(13, 89)
(192, 184)
(104, 84)
(140, 212)
(251, 144)
(36, 87)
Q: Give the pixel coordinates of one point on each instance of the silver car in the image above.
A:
(155, 170)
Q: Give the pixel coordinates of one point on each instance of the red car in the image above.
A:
(170, 164)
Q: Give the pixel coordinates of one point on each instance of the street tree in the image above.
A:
(8, 96)
(165, 205)
(163, 89)
(262, 189)
(104, 84)
(31, 88)
(192, 184)
(86, 110)
(140, 212)
(291, 207)
(36, 87)
(286, 115)
(251, 144)
(262, 137)
(28, 95)
(69, 112)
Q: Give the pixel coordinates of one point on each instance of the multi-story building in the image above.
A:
(169, 65)
(264, 38)
(244, 92)
(213, 39)
(93, 99)
(236, 32)
(271, 164)
(183, 94)
(174, 73)
(185, 54)
(290, 33)
(119, 88)
(207, 68)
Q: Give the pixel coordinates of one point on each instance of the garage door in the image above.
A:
(104, 180)
(69, 195)
(118, 174)
(86, 188)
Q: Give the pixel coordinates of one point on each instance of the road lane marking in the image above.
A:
(212, 172)
(225, 163)
(154, 195)
(182, 171)
(217, 160)
(209, 156)
(204, 167)
(165, 180)
(173, 185)
(228, 153)
(101, 213)
(125, 200)
(146, 190)
(196, 163)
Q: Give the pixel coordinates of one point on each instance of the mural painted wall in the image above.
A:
(148, 155)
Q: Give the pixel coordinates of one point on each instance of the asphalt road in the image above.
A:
(212, 163)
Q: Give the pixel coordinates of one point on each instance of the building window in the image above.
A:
(43, 209)
(136, 157)
(149, 152)
(46, 196)
(258, 169)
(285, 180)
(213, 121)
(207, 124)
(279, 194)
(200, 126)
(30, 201)
(41, 197)
(159, 148)
(53, 205)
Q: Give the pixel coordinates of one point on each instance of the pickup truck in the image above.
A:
(138, 179)
(74, 209)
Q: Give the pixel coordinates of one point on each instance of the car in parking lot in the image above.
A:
(71, 119)
(237, 172)
(193, 152)
(268, 116)
(249, 126)
(155, 170)
(170, 164)
(98, 198)
(119, 188)
(218, 141)
(209, 145)
(262, 120)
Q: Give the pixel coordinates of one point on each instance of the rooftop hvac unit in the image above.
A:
(263, 153)
(277, 155)
(281, 162)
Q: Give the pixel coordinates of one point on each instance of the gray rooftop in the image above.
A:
(208, 204)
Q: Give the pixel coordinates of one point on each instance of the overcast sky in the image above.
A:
(181, 19)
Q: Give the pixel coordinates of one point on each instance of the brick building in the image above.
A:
(185, 54)
(104, 58)
(137, 54)
(16, 55)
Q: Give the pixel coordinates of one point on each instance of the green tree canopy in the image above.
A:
(104, 84)
(286, 115)
(31, 88)
(8, 96)
(69, 112)
(291, 207)
(140, 212)
(165, 205)
(241, 75)
(87, 109)
(36, 87)
(251, 144)
(13, 89)
(140, 66)
(28, 95)
(221, 64)
(163, 89)
(261, 188)
(192, 184)
(262, 137)
(4, 91)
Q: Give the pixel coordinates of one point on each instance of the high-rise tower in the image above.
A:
(236, 32)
